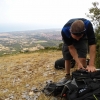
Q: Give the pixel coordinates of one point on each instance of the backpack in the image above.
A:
(87, 86)
(52, 89)
(83, 86)
(60, 63)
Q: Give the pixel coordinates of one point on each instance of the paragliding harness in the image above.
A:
(82, 86)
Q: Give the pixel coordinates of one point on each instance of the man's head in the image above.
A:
(77, 29)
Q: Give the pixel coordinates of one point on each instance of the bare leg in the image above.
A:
(67, 66)
(67, 71)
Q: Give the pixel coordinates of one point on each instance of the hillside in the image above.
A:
(22, 73)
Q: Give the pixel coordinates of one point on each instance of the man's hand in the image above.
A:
(91, 68)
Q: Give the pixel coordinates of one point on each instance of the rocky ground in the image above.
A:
(22, 76)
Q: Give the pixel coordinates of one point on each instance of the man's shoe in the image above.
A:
(68, 77)
(64, 80)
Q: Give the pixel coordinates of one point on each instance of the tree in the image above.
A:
(94, 15)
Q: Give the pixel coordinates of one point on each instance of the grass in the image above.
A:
(18, 71)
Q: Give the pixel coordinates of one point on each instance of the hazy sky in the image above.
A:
(40, 14)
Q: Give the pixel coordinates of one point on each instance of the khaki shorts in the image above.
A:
(81, 47)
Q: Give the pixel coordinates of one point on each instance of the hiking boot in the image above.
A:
(68, 77)
(64, 79)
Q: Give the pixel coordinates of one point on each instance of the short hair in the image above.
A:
(77, 27)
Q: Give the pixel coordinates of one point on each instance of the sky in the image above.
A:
(20, 15)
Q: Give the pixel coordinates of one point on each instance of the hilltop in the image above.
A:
(21, 73)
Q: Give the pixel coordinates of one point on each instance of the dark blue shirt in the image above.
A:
(89, 34)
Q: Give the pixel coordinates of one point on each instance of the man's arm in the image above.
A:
(92, 48)
(74, 54)
(92, 52)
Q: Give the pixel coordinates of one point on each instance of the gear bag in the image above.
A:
(87, 86)
(83, 86)
(60, 63)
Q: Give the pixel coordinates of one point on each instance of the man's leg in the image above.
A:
(67, 66)
(67, 72)
(67, 57)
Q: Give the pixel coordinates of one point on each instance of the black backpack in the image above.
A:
(87, 86)
(60, 63)
(83, 86)
(53, 89)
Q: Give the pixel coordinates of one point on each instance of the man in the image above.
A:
(76, 33)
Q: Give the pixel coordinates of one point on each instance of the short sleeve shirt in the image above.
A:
(66, 35)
